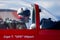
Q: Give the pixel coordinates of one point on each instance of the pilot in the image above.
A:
(23, 18)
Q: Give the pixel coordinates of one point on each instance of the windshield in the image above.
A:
(50, 14)
(17, 15)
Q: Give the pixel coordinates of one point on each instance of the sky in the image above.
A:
(52, 7)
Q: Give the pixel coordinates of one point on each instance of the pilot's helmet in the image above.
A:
(23, 12)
